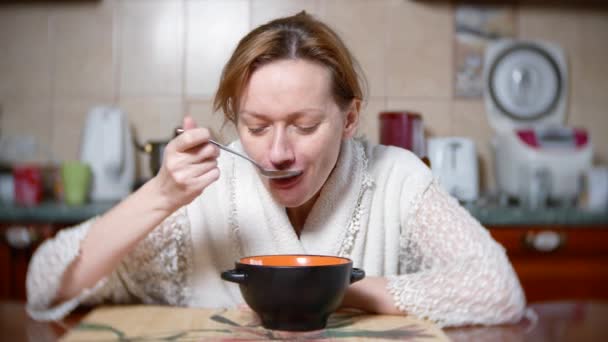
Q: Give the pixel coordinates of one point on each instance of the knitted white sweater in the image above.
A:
(380, 207)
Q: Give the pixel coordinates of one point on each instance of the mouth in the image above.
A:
(286, 183)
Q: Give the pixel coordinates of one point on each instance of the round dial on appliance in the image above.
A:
(525, 82)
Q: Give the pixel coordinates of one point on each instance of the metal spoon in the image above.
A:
(272, 174)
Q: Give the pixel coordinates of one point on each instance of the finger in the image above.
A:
(191, 176)
(207, 178)
(202, 153)
(191, 138)
(179, 162)
(188, 122)
(194, 171)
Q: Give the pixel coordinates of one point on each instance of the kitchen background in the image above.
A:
(159, 60)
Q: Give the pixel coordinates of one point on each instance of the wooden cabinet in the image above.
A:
(17, 244)
(23, 228)
(557, 263)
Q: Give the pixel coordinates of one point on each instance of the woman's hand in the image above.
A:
(189, 166)
(371, 295)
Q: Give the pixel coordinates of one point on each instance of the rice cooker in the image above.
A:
(536, 155)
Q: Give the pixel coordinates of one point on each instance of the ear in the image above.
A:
(351, 121)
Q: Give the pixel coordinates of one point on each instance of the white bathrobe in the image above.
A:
(380, 207)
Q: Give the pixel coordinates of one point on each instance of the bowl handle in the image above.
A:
(235, 276)
(356, 274)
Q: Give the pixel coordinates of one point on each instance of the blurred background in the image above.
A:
(161, 59)
(90, 85)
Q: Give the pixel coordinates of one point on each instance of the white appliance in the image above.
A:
(107, 147)
(454, 163)
(537, 158)
(594, 189)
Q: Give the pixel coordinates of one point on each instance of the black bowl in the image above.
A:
(293, 292)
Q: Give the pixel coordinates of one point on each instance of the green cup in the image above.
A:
(76, 178)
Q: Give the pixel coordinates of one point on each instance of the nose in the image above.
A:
(281, 152)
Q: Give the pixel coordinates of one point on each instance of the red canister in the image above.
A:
(28, 184)
(403, 129)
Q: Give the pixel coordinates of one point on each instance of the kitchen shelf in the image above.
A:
(52, 212)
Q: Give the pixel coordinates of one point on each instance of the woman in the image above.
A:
(293, 93)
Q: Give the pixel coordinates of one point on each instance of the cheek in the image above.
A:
(322, 153)
(253, 148)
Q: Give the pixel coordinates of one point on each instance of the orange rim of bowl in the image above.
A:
(295, 260)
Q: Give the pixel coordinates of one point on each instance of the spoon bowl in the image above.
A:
(271, 174)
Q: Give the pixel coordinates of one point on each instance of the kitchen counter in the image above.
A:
(496, 216)
(488, 215)
(52, 212)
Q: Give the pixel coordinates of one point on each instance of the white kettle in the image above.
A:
(107, 148)
(454, 163)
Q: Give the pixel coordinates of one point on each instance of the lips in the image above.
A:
(285, 183)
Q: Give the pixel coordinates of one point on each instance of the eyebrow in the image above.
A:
(290, 115)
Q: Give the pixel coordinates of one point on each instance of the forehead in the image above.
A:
(287, 85)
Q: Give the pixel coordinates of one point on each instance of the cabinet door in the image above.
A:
(17, 244)
(5, 270)
(557, 263)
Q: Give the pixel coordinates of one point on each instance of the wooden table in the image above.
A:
(557, 321)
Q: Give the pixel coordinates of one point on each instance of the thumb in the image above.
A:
(188, 122)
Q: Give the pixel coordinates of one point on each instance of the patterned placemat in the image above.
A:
(159, 323)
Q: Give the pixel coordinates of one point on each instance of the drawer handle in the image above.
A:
(545, 241)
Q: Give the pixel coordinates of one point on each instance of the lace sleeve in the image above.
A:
(154, 272)
(451, 270)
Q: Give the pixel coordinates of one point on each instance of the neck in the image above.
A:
(297, 216)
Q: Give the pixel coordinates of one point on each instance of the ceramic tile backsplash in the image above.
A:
(592, 56)
(152, 118)
(369, 127)
(25, 66)
(203, 114)
(263, 11)
(418, 53)
(364, 29)
(30, 118)
(162, 59)
(69, 115)
(213, 30)
(593, 110)
(151, 47)
(83, 58)
(535, 23)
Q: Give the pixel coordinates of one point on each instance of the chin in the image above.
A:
(288, 201)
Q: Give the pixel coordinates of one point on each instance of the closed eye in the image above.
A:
(307, 129)
(257, 130)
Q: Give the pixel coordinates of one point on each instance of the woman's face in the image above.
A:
(288, 120)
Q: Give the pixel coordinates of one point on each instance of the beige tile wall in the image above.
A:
(161, 59)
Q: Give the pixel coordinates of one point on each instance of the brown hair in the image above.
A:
(297, 36)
